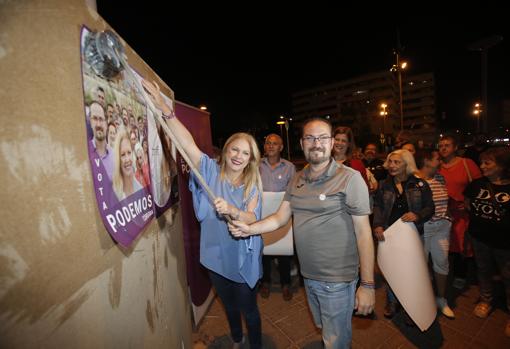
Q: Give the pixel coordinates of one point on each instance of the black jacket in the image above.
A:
(419, 200)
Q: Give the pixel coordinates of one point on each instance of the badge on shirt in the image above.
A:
(279, 176)
(322, 197)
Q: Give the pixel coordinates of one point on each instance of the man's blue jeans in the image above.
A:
(332, 305)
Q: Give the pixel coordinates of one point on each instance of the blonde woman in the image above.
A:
(124, 181)
(234, 264)
(403, 196)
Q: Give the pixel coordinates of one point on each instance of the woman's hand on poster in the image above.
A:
(379, 233)
(239, 229)
(409, 217)
(156, 97)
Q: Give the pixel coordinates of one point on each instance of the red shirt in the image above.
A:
(358, 166)
(457, 178)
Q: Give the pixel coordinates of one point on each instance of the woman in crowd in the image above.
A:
(436, 236)
(343, 151)
(234, 264)
(488, 202)
(142, 166)
(404, 196)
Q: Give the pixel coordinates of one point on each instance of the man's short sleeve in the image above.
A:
(356, 196)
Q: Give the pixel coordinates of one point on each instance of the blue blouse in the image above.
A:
(238, 260)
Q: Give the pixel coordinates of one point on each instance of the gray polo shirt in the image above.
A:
(323, 228)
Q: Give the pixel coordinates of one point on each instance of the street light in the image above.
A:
(477, 111)
(483, 47)
(285, 121)
(398, 67)
(383, 113)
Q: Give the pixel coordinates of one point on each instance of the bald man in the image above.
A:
(276, 174)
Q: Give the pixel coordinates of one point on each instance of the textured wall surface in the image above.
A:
(63, 281)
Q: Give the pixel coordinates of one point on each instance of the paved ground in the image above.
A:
(289, 325)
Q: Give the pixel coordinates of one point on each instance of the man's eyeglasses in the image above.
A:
(321, 139)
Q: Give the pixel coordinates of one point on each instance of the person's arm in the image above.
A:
(181, 133)
(365, 295)
(276, 220)
(378, 214)
(427, 207)
(363, 170)
(248, 216)
(468, 194)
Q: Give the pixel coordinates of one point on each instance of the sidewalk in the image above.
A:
(290, 325)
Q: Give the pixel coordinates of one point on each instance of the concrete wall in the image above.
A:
(63, 281)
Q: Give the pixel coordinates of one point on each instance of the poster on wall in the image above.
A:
(162, 160)
(127, 154)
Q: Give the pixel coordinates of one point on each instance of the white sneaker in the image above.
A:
(445, 309)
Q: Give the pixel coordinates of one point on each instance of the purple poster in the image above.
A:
(121, 146)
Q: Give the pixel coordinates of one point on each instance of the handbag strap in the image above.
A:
(467, 170)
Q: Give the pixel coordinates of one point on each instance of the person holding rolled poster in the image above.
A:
(234, 264)
(403, 196)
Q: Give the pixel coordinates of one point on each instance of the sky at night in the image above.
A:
(245, 67)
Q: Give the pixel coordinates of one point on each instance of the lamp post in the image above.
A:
(285, 121)
(398, 67)
(477, 111)
(383, 113)
(483, 46)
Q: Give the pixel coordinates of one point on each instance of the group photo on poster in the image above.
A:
(122, 141)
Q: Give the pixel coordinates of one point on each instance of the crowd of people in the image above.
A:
(341, 203)
(119, 137)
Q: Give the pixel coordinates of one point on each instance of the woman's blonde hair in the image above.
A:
(250, 176)
(117, 180)
(408, 159)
